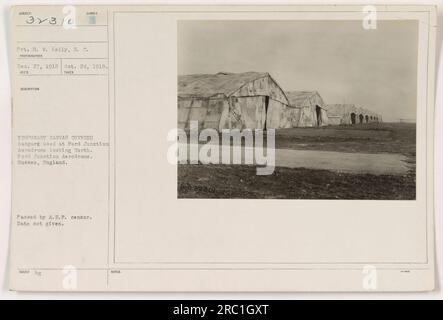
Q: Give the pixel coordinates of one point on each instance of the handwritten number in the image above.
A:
(38, 20)
(30, 20)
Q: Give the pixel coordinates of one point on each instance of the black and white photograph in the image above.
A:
(339, 97)
(228, 150)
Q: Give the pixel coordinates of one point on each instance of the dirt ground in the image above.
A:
(241, 181)
(366, 138)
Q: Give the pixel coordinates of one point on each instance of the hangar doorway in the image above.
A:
(266, 112)
(318, 114)
(353, 116)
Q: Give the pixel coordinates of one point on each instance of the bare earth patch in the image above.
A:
(395, 140)
(241, 181)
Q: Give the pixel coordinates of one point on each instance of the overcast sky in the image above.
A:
(345, 63)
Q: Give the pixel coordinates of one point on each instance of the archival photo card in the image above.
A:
(222, 148)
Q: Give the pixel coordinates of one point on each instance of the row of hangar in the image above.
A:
(254, 100)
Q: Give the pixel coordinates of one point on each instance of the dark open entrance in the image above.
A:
(360, 118)
(366, 118)
(266, 112)
(353, 118)
(318, 114)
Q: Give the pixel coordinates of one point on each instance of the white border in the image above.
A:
(5, 171)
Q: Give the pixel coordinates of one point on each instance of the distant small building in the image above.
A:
(369, 116)
(361, 115)
(334, 120)
(342, 114)
(345, 114)
(251, 100)
(310, 107)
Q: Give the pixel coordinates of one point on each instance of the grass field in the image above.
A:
(367, 138)
(241, 181)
